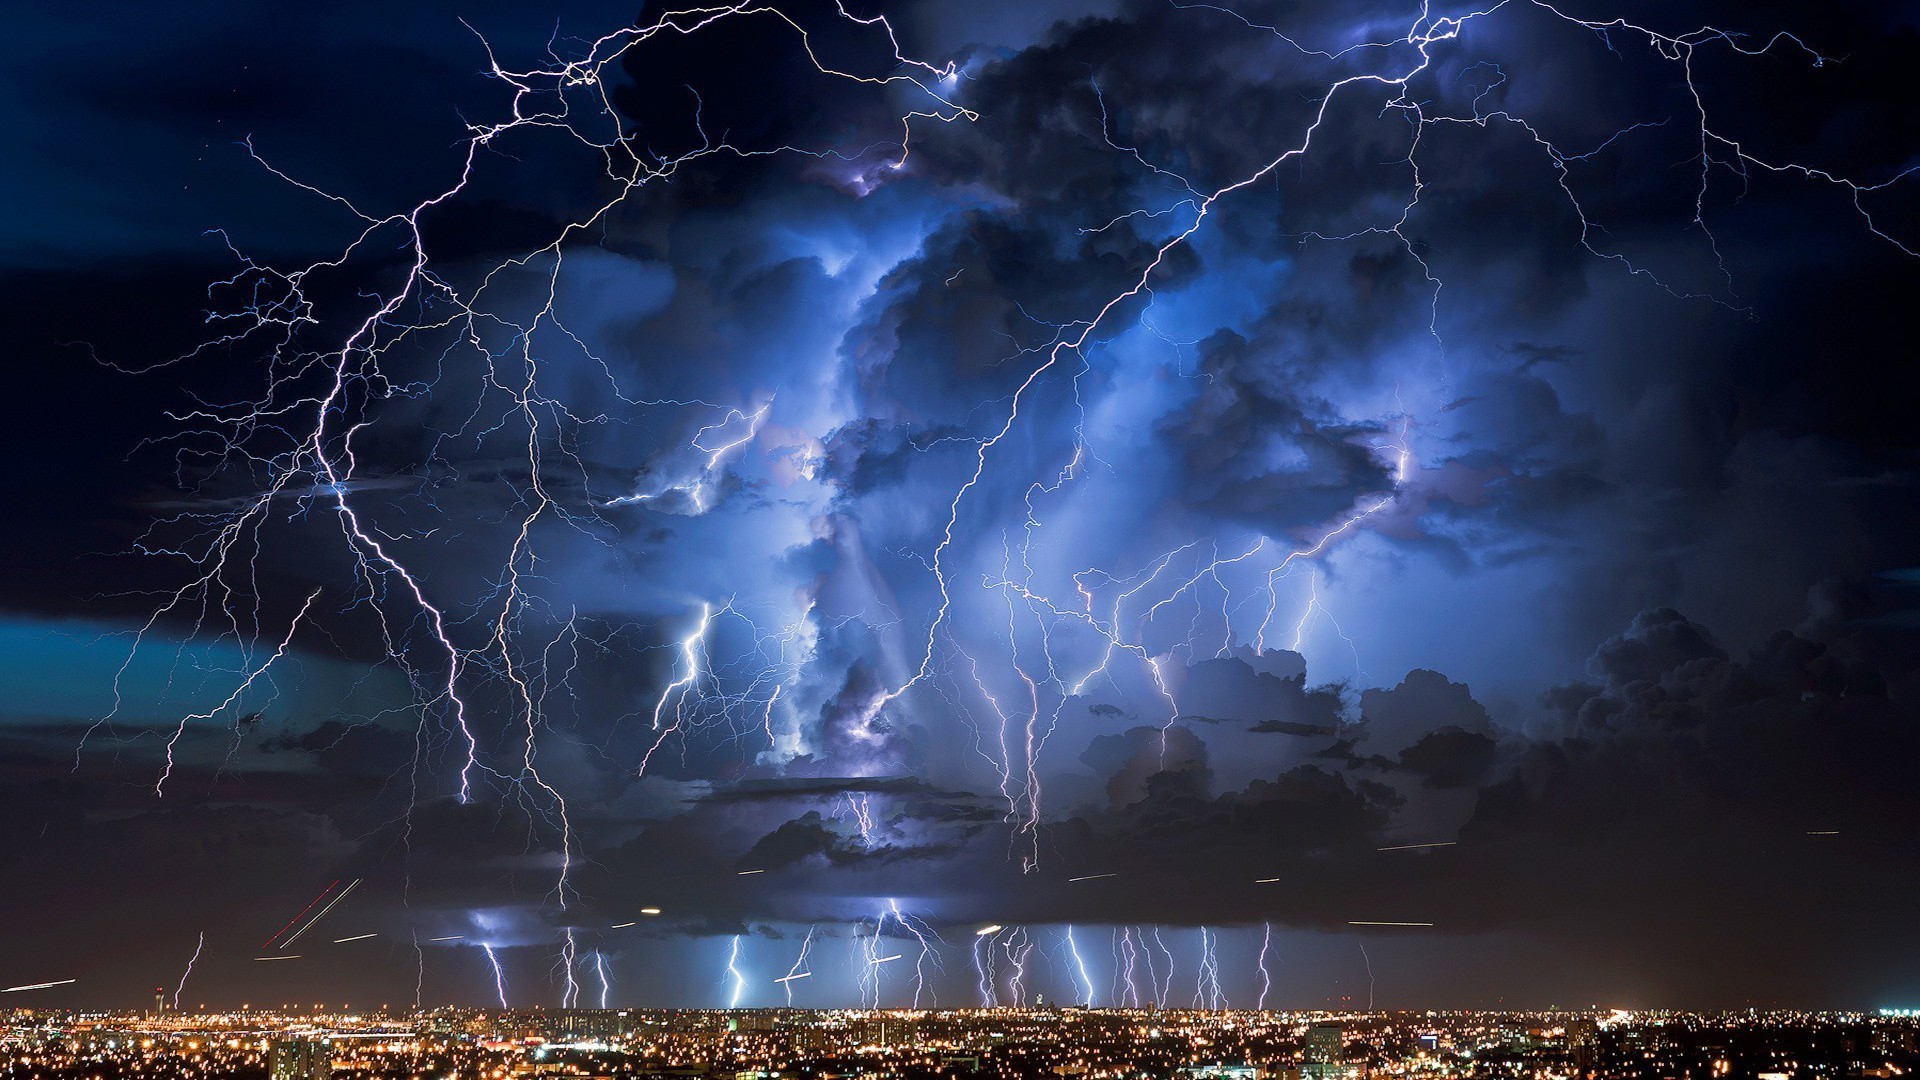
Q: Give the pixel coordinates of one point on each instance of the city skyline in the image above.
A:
(831, 503)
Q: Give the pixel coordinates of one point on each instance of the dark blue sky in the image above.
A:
(1198, 444)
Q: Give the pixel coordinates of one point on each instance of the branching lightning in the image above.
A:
(499, 973)
(1085, 980)
(1019, 646)
(735, 976)
(1206, 991)
(799, 969)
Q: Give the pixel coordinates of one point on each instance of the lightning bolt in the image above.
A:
(1266, 980)
(1018, 946)
(1163, 989)
(1126, 957)
(921, 933)
(799, 966)
(1206, 991)
(499, 974)
(328, 370)
(569, 987)
(318, 402)
(1402, 60)
(691, 656)
(600, 970)
(1367, 960)
(734, 975)
(983, 969)
(191, 960)
(1080, 970)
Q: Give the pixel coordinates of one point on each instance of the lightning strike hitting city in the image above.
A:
(908, 539)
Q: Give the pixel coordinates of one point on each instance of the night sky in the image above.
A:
(838, 475)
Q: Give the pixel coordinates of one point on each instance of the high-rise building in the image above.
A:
(1583, 1042)
(1325, 1052)
(295, 1058)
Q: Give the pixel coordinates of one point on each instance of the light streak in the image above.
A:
(649, 911)
(796, 976)
(191, 960)
(746, 873)
(356, 937)
(449, 937)
(1371, 922)
(268, 944)
(989, 931)
(885, 959)
(308, 925)
(622, 925)
(1091, 877)
(295, 956)
(1418, 847)
(38, 986)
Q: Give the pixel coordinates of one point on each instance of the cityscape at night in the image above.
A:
(752, 539)
(1008, 1043)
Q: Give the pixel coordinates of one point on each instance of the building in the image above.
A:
(1325, 1053)
(1583, 1042)
(295, 1058)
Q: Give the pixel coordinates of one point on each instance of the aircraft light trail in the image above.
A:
(1376, 922)
(308, 925)
(38, 986)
